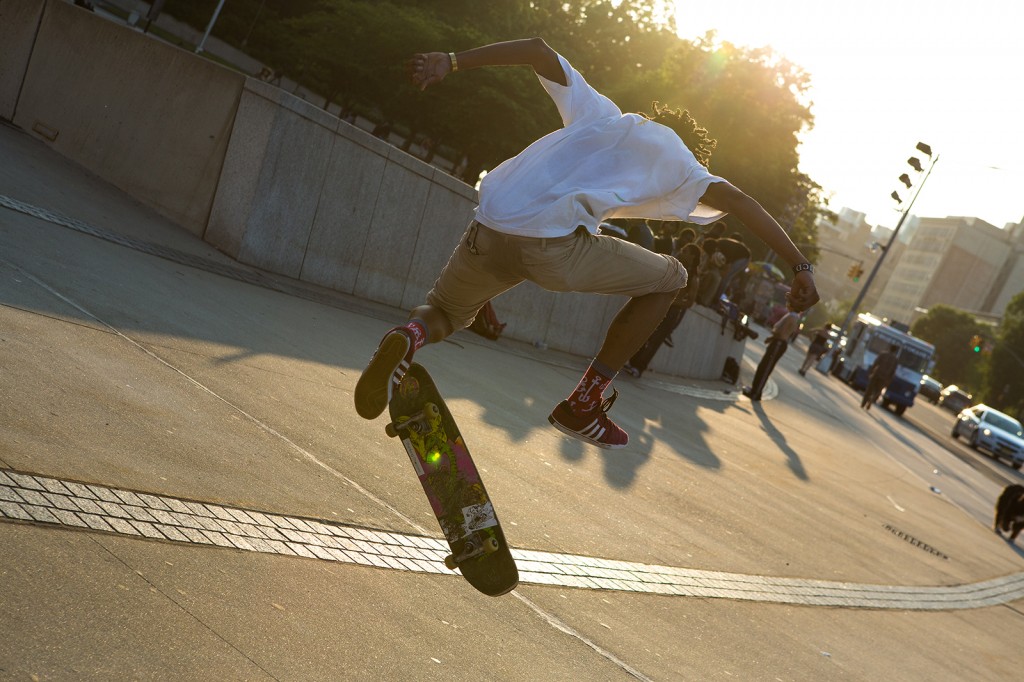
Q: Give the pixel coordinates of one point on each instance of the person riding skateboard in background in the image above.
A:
(817, 348)
(538, 219)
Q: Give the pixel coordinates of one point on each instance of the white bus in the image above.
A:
(869, 337)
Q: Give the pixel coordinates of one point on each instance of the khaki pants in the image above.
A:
(487, 262)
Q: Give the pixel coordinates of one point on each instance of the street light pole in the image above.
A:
(209, 26)
(892, 239)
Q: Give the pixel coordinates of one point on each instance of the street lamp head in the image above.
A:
(896, 197)
(924, 149)
(905, 179)
(915, 163)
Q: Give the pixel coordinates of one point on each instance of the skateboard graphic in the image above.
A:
(452, 483)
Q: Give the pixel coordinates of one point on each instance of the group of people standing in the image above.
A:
(712, 262)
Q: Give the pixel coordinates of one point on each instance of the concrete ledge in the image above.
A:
(392, 235)
(277, 96)
(19, 21)
(152, 119)
(337, 240)
(362, 138)
(700, 346)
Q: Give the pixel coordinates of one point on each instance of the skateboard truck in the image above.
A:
(472, 548)
(418, 423)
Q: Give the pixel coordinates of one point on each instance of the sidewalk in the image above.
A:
(186, 493)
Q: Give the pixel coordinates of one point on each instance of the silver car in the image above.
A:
(988, 429)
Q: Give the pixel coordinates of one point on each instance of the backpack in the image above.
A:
(731, 371)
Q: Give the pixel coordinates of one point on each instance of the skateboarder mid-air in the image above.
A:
(538, 219)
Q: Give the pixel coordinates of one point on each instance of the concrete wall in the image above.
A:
(274, 181)
(19, 21)
(150, 118)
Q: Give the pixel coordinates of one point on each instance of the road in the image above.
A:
(938, 422)
(965, 477)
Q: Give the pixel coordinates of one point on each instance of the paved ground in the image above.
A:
(187, 493)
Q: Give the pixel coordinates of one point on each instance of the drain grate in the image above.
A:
(915, 542)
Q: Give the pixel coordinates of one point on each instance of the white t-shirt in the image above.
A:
(602, 164)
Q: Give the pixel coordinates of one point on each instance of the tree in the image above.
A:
(1005, 376)
(950, 331)
(751, 101)
(352, 52)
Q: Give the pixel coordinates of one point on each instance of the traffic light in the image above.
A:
(976, 343)
(855, 272)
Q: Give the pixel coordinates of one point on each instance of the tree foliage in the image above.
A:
(352, 53)
(1004, 386)
(950, 331)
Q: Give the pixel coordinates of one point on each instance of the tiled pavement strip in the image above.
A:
(50, 501)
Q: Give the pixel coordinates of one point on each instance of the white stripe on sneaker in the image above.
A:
(400, 371)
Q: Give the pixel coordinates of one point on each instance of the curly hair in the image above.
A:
(694, 136)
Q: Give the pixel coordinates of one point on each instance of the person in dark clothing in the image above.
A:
(662, 236)
(818, 347)
(778, 342)
(686, 236)
(714, 231)
(712, 266)
(382, 130)
(689, 256)
(882, 371)
(737, 257)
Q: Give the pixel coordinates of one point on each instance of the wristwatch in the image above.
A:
(801, 267)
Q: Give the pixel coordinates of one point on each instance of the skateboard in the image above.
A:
(452, 483)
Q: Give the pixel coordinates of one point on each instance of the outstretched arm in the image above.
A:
(431, 67)
(726, 197)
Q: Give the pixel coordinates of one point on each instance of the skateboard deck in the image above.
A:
(452, 483)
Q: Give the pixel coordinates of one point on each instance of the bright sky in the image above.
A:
(886, 74)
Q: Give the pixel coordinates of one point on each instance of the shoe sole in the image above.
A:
(579, 436)
(373, 390)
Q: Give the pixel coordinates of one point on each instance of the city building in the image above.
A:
(1010, 280)
(965, 263)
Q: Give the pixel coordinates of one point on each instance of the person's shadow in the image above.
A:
(1013, 545)
(792, 457)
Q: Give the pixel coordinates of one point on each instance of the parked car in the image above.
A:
(954, 398)
(930, 389)
(988, 429)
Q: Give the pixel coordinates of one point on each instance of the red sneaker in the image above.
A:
(385, 371)
(594, 427)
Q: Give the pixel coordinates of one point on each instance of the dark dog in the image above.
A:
(1010, 511)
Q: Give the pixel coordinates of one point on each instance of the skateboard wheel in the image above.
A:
(431, 410)
(390, 430)
(491, 545)
(449, 562)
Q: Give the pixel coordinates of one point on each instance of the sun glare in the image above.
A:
(885, 75)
